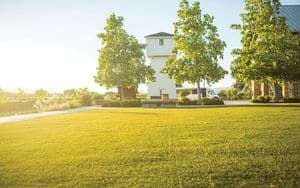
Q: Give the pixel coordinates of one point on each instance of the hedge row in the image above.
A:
(213, 101)
(262, 99)
(291, 100)
(8, 108)
(116, 103)
(205, 101)
(267, 99)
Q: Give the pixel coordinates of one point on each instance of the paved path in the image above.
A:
(22, 117)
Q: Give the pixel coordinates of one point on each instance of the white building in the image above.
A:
(159, 47)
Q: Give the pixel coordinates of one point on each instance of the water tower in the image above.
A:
(159, 48)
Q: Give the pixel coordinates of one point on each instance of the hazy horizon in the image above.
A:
(53, 44)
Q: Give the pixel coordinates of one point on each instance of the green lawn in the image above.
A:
(236, 146)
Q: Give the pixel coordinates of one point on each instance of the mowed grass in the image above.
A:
(230, 146)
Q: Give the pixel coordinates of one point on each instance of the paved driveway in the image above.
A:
(22, 117)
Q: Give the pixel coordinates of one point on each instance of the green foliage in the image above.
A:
(186, 101)
(208, 147)
(198, 47)
(234, 94)
(184, 93)
(142, 96)
(212, 101)
(121, 58)
(124, 103)
(270, 52)
(262, 99)
(40, 94)
(111, 96)
(86, 99)
(11, 108)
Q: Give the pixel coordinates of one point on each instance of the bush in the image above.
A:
(213, 101)
(116, 103)
(184, 93)
(73, 104)
(186, 101)
(262, 99)
(130, 103)
(8, 108)
(291, 100)
(85, 99)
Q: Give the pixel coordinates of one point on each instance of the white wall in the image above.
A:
(163, 82)
(154, 49)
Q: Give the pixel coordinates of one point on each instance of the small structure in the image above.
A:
(162, 92)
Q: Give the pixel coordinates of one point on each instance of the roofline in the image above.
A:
(158, 37)
(160, 34)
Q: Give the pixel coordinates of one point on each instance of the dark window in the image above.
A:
(161, 42)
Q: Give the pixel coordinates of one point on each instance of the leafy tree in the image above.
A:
(21, 95)
(121, 59)
(3, 95)
(270, 52)
(197, 50)
(40, 94)
(70, 93)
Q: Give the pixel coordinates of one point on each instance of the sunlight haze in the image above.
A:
(53, 44)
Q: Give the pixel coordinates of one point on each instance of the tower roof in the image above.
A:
(160, 34)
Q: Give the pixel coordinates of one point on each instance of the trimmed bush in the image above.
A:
(213, 101)
(130, 103)
(291, 100)
(116, 103)
(186, 101)
(262, 99)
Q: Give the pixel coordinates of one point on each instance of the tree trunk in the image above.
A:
(277, 92)
(199, 93)
(121, 93)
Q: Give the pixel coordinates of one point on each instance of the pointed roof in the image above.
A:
(292, 15)
(160, 34)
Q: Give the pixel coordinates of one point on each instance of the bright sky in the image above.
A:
(52, 44)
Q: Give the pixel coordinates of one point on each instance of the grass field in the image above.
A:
(229, 146)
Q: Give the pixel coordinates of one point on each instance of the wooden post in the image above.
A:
(255, 87)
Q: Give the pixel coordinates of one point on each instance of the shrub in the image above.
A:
(110, 103)
(184, 93)
(213, 101)
(291, 100)
(186, 101)
(7, 108)
(130, 103)
(73, 104)
(97, 96)
(85, 99)
(262, 99)
(125, 103)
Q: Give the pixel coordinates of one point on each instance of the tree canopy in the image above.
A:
(198, 47)
(269, 52)
(121, 59)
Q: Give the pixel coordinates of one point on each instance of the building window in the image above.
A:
(161, 42)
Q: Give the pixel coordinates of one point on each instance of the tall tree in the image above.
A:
(198, 48)
(269, 50)
(121, 59)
